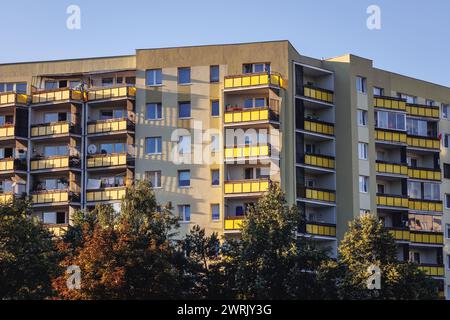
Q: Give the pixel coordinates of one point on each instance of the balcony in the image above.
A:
(57, 128)
(243, 116)
(315, 194)
(247, 152)
(390, 103)
(233, 224)
(432, 270)
(425, 205)
(423, 142)
(318, 94)
(393, 201)
(51, 197)
(390, 136)
(58, 230)
(320, 161)
(57, 96)
(246, 187)
(6, 198)
(320, 229)
(10, 164)
(107, 160)
(107, 194)
(110, 126)
(391, 168)
(423, 111)
(57, 162)
(244, 81)
(7, 131)
(317, 126)
(123, 92)
(400, 234)
(424, 174)
(435, 238)
(13, 99)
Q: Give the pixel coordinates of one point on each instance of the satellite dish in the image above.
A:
(92, 149)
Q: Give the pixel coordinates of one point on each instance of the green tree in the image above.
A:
(28, 258)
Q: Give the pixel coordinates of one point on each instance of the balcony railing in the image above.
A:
(109, 126)
(432, 269)
(7, 131)
(243, 81)
(427, 237)
(422, 111)
(57, 162)
(425, 205)
(60, 95)
(50, 196)
(57, 128)
(58, 230)
(391, 168)
(247, 152)
(318, 126)
(250, 115)
(320, 229)
(390, 136)
(107, 194)
(108, 160)
(321, 161)
(6, 198)
(318, 93)
(233, 223)
(111, 93)
(13, 98)
(423, 142)
(400, 234)
(396, 201)
(323, 195)
(247, 186)
(389, 103)
(424, 174)
(11, 164)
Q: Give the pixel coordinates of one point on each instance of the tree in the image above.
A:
(368, 243)
(28, 258)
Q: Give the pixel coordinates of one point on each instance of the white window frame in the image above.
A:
(215, 205)
(155, 82)
(363, 150)
(156, 145)
(445, 114)
(362, 116)
(154, 177)
(157, 106)
(363, 184)
(361, 84)
(182, 213)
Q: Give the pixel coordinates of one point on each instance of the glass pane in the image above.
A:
(214, 74)
(260, 102)
(184, 110)
(50, 117)
(184, 75)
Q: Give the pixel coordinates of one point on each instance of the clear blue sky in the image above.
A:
(414, 38)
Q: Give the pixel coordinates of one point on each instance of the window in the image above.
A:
(447, 201)
(380, 188)
(362, 118)
(51, 85)
(447, 141)
(109, 148)
(414, 190)
(215, 108)
(184, 144)
(429, 103)
(255, 103)
(361, 84)
(447, 231)
(153, 145)
(154, 77)
(184, 213)
(362, 150)
(50, 151)
(390, 120)
(154, 111)
(112, 114)
(112, 182)
(215, 212)
(184, 110)
(409, 99)
(378, 91)
(425, 222)
(107, 82)
(184, 75)
(184, 178)
(431, 191)
(256, 67)
(446, 170)
(214, 74)
(363, 184)
(54, 217)
(417, 127)
(445, 110)
(215, 143)
(154, 177)
(215, 177)
(130, 80)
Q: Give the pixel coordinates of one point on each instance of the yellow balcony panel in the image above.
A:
(318, 94)
(107, 126)
(435, 238)
(6, 165)
(320, 229)
(110, 194)
(246, 186)
(390, 103)
(315, 194)
(233, 224)
(423, 143)
(111, 93)
(433, 270)
(60, 95)
(51, 163)
(48, 197)
(50, 129)
(422, 111)
(247, 152)
(395, 201)
(249, 115)
(7, 131)
(112, 160)
(424, 174)
(390, 136)
(58, 230)
(392, 168)
(13, 99)
(253, 80)
(319, 127)
(6, 198)
(400, 234)
(319, 161)
(425, 205)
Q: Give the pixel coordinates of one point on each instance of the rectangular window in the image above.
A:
(50, 117)
(184, 75)
(153, 145)
(429, 102)
(444, 111)
(215, 143)
(214, 74)
(255, 67)
(378, 91)
(446, 170)
(154, 77)
(21, 87)
(154, 177)
(409, 99)
(390, 120)
(414, 190)
(184, 178)
(417, 127)
(215, 108)
(363, 184)
(215, 177)
(51, 85)
(107, 82)
(154, 111)
(362, 150)
(431, 191)
(184, 212)
(51, 151)
(361, 84)
(447, 141)
(447, 231)
(362, 118)
(215, 212)
(184, 110)
(447, 201)
(184, 144)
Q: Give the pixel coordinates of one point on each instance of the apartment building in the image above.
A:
(213, 126)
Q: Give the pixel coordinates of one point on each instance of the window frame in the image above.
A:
(182, 103)
(215, 205)
(179, 78)
(155, 77)
(154, 175)
(211, 79)
(158, 145)
(179, 180)
(158, 109)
